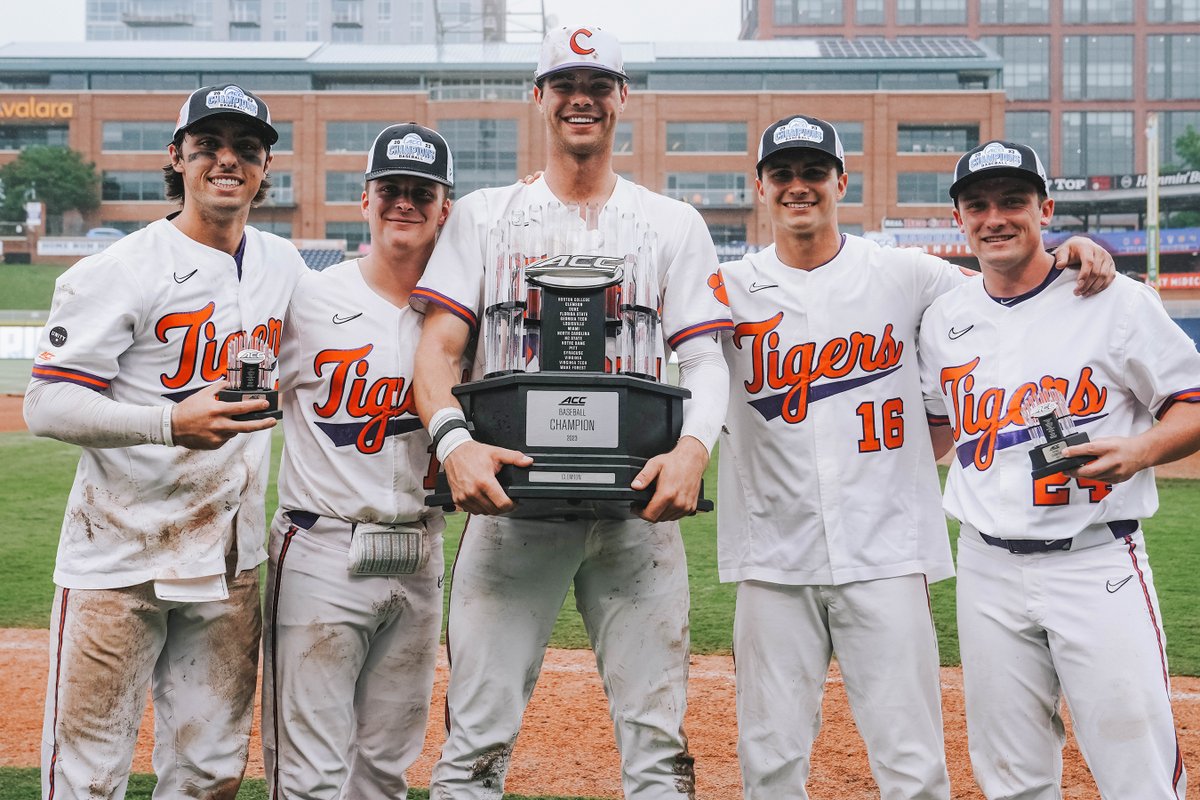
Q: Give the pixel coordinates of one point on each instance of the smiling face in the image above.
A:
(801, 189)
(222, 161)
(1002, 219)
(404, 212)
(581, 108)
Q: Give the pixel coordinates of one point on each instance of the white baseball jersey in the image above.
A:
(826, 468)
(1117, 358)
(147, 322)
(686, 256)
(355, 448)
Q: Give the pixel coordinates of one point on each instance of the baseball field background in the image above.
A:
(36, 474)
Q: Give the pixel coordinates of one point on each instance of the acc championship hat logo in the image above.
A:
(226, 100)
(998, 159)
(579, 48)
(800, 132)
(411, 149)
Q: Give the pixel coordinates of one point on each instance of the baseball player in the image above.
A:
(1055, 593)
(511, 576)
(354, 598)
(157, 564)
(829, 516)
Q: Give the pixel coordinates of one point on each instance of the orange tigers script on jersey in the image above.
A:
(804, 364)
(382, 400)
(987, 412)
(199, 349)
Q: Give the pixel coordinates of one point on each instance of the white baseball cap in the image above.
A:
(579, 48)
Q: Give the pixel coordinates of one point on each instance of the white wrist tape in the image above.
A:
(167, 438)
(451, 441)
(442, 415)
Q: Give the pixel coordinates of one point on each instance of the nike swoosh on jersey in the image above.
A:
(772, 407)
(1114, 586)
(955, 333)
(338, 319)
(179, 279)
(755, 286)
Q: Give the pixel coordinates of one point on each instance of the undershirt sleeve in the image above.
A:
(703, 371)
(81, 416)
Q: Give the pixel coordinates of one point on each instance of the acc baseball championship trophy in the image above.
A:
(248, 371)
(1052, 429)
(572, 364)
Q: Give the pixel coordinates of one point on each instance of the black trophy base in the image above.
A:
(589, 435)
(1047, 458)
(273, 411)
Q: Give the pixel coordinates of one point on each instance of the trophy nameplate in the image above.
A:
(1052, 430)
(248, 370)
(572, 360)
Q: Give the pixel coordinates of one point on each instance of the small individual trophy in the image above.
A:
(1052, 430)
(248, 370)
(573, 362)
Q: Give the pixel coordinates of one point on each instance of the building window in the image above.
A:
(1026, 65)
(851, 134)
(260, 81)
(416, 21)
(808, 12)
(729, 239)
(868, 12)
(1097, 142)
(1098, 67)
(936, 138)
(385, 11)
(1030, 128)
(142, 136)
(282, 192)
(854, 190)
(1174, 10)
(244, 33)
(18, 137)
(133, 185)
(356, 234)
(931, 12)
(925, 188)
(283, 229)
(920, 81)
(1006, 12)
(706, 137)
(344, 187)
(1097, 11)
(485, 152)
(157, 81)
(1172, 125)
(281, 10)
(344, 33)
(623, 143)
(351, 137)
(1173, 63)
(820, 82)
(709, 189)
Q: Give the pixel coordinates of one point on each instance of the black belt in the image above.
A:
(1119, 528)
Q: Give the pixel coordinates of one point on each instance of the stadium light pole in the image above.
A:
(1152, 199)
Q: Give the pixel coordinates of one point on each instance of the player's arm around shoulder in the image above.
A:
(1097, 270)
(470, 466)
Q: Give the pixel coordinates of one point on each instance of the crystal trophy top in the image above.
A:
(249, 368)
(1051, 429)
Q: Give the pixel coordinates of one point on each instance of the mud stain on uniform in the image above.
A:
(685, 774)
(491, 767)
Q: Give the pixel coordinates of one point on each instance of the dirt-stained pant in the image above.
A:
(201, 660)
(882, 633)
(509, 582)
(348, 667)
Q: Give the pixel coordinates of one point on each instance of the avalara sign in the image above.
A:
(32, 108)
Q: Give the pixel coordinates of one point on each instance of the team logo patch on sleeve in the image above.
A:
(58, 336)
(716, 282)
(412, 147)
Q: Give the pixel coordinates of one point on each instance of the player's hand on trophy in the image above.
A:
(471, 470)
(677, 476)
(1096, 266)
(203, 422)
(1118, 458)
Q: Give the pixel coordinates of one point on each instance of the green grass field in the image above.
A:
(27, 286)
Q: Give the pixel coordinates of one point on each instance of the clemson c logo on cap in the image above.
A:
(578, 48)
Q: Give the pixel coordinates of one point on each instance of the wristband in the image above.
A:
(441, 416)
(167, 438)
(445, 428)
(451, 441)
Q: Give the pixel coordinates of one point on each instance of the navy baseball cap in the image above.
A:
(801, 132)
(997, 159)
(411, 149)
(570, 48)
(226, 99)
